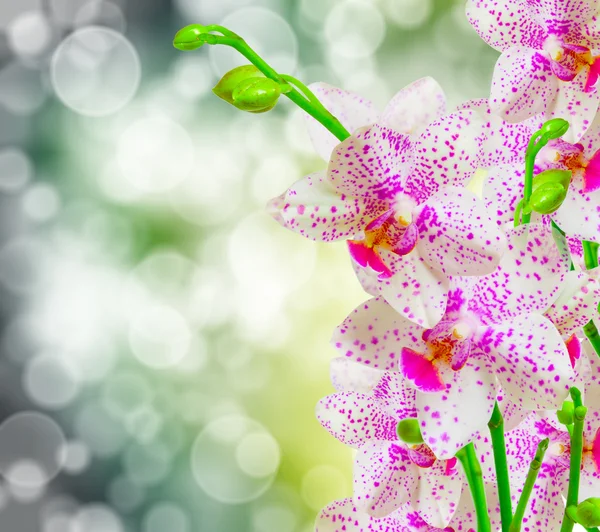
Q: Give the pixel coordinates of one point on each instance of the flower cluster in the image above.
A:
(470, 312)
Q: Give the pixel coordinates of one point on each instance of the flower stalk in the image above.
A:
(468, 458)
(496, 426)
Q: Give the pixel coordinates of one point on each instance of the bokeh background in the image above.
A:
(163, 341)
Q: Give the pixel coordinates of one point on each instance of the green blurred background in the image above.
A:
(164, 342)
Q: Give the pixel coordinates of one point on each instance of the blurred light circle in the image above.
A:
(57, 523)
(192, 76)
(355, 28)
(124, 392)
(19, 264)
(96, 518)
(274, 517)
(29, 34)
(159, 337)
(408, 13)
(155, 154)
(266, 32)
(95, 71)
(220, 459)
(165, 272)
(76, 457)
(215, 11)
(102, 434)
(258, 455)
(50, 382)
(10, 10)
(21, 88)
(63, 12)
(30, 445)
(41, 202)
(100, 13)
(321, 485)
(15, 169)
(166, 516)
(143, 423)
(147, 465)
(125, 495)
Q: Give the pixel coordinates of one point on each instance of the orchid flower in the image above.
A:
(387, 471)
(547, 64)
(397, 199)
(493, 333)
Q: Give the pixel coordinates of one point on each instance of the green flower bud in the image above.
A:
(565, 415)
(409, 431)
(552, 176)
(547, 198)
(188, 38)
(588, 512)
(256, 95)
(555, 128)
(224, 89)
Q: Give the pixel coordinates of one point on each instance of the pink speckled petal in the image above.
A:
(456, 234)
(394, 397)
(505, 23)
(374, 333)
(353, 418)
(592, 397)
(465, 519)
(591, 175)
(352, 110)
(546, 508)
(439, 494)
(576, 305)
(384, 477)
(342, 516)
(416, 291)
(367, 279)
(531, 361)
(576, 106)
(523, 85)
(373, 162)
(502, 190)
(528, 279)
(313, 208)
(453, 418)
(447, 153)
(415, 106)
(349, 376)
(579, 215)
(512, 413)
(589, 485)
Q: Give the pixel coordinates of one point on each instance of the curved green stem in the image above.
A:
(468, 458)
(576, 456)
(534, 469)
(307, 101)
(496, 426)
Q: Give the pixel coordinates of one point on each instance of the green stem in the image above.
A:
(534, 469)
(308, 103)
(590, 257)
(468, 458)
(576, 456)
(496, 426)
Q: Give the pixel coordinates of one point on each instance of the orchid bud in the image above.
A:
(409, 431)
(227, 84)
(565, 415)
(188, 38)
(588, 512)
(547, 198)
(555, 128)
(256, 95)
(552, 176)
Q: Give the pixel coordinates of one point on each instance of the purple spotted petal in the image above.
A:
(589, 485)
(352, 110)
(416, 291)
(393, 396)
(374, 333)
(505, 23)
(502, 190)
(342, 516)
(313, 208)
(373, 162)
(576, 305)
(384, 478)
(439, 493)
(447, 154)
(579, 215)
(456, 235)
(528, 278)
(530, 360)
(415, 106)
(453, 418)
(465, 519)
(353, 418)
(523, 84)
(349, 376)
